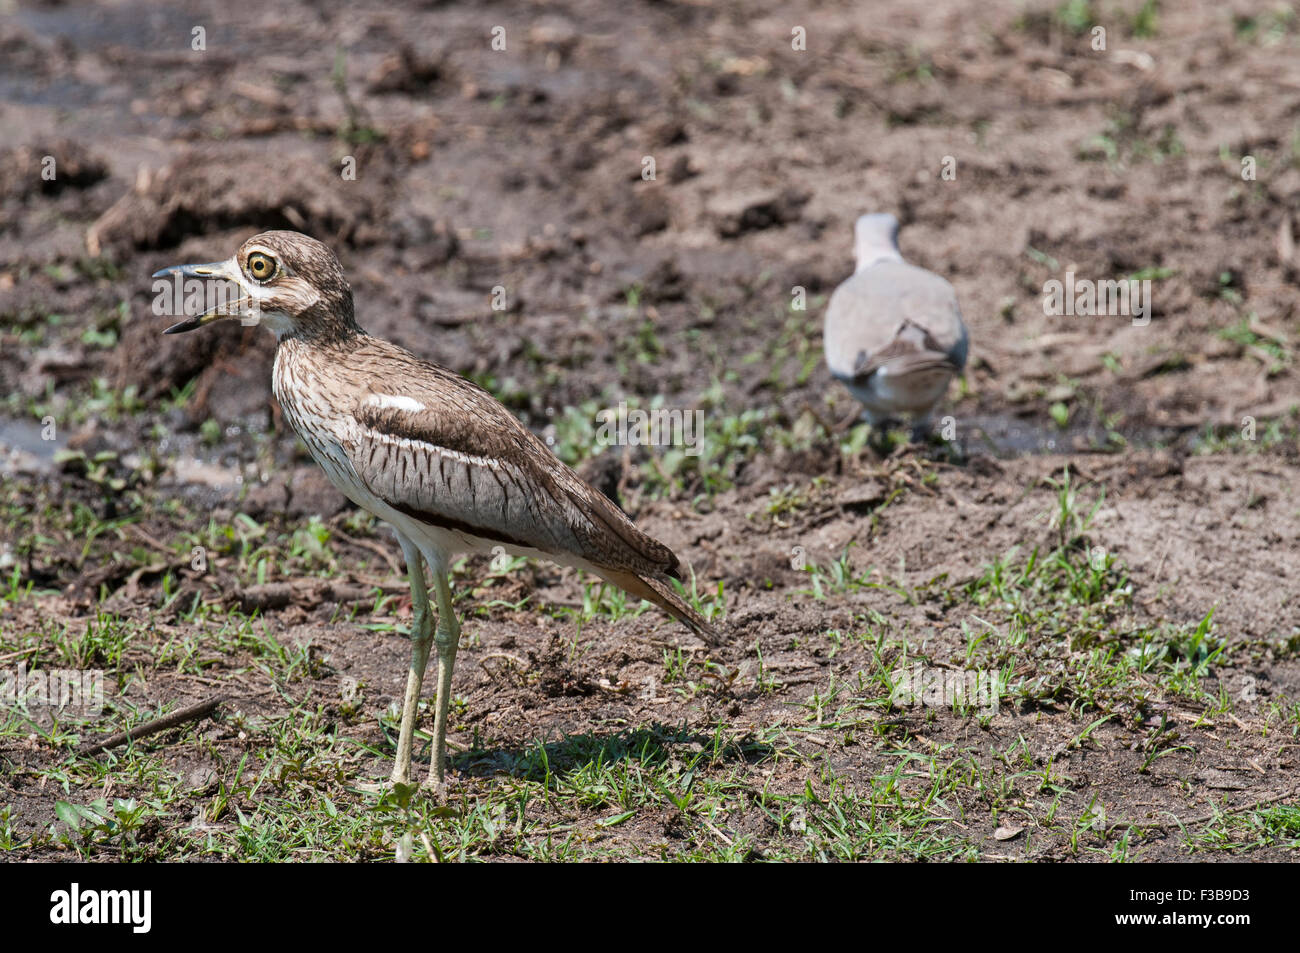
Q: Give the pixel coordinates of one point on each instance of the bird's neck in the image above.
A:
(304, 367)
(324, 326)
(867, 255)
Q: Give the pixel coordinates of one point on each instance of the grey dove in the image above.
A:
(894, 333)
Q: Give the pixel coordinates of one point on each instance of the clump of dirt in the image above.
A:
(738, 213)
(45, 169)
(409, 72)
(208, 190)
(558, 675)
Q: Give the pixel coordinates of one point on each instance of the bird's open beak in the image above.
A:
(218, 270)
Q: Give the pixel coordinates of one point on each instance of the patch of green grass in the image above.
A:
(601, 601)
(101, 645)
(567, 800)
(1122, 141)
(912, 65)
(74, 407)
(1073, 605)
(103, 827)
(784, 502)
(1042, 258)
(838, 577)
(722, 446)
(1267, 27)
(899, 814)
(1274, 826)
(1076, 16)
(1249, 334)
(1145, 22)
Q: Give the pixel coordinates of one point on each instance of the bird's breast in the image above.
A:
(311, 409)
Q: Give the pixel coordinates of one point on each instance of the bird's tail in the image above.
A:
(665, 597)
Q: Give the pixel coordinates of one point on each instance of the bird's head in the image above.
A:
(875, 238)
(291, 283)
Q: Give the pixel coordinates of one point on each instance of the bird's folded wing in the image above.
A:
(902, 357)
(439, 449)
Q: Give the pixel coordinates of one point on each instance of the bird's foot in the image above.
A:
(885, 439)
(400, 791)
(440, 792)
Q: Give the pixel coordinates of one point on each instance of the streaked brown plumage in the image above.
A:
(428, 451)
(462, 463)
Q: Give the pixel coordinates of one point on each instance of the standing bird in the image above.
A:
(894, 334)
(432, 454)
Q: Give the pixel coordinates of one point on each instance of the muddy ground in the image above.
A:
(1155, 698)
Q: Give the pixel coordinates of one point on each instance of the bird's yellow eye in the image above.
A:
(261, 266)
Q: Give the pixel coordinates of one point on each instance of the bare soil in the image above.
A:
(522, 169)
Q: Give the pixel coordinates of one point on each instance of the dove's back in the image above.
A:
(894, 334)
(868, 310)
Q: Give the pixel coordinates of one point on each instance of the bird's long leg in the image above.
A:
(421, 640)
(447, 639)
